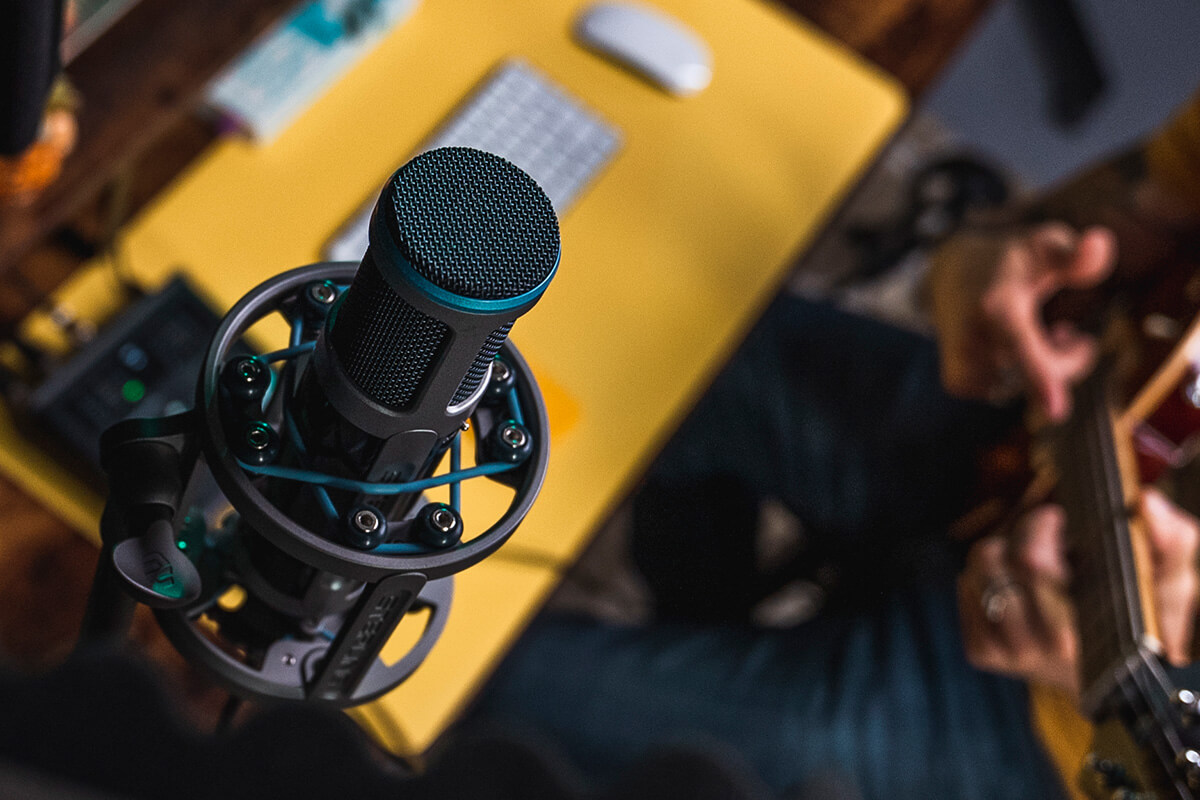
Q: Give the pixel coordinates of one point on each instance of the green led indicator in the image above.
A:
(133, 390)
(182, 545)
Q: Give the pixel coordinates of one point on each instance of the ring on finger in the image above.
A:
(998, 596)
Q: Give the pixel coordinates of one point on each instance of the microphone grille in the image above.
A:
(387, 347)
(472, 223)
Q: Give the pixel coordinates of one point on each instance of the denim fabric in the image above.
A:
(842, 419)
(884, 703)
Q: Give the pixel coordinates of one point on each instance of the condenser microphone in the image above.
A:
(288, 525)
(462, 243)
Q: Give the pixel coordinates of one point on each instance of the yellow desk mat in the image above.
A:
(667, 259)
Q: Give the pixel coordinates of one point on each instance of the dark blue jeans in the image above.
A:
(843, 420)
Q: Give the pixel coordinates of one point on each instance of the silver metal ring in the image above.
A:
(997, 596)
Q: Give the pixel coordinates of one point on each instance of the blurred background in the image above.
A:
(1001, 98)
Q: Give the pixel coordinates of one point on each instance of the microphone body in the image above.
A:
(462, 243)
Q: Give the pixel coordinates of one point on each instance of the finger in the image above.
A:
(1174, 534)
(1174, 543)
(1051, 244)
(1013, 305)
(1057, 659)
(1063, 258)
(1012, 630)
(1001, 648)
(1065, 338)
(1049, 259)
(1010, 645)
(1061, 356)
(978, 639)
(984, 647)
(986, 559)
(1039, 548)
(1051, 361)
(1040, 561)
(1095, 258)
(1057, 667)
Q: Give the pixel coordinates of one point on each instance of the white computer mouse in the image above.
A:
(656, 46)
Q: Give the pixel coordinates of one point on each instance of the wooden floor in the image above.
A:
(46, 569)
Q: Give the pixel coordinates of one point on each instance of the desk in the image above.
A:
(667, 259)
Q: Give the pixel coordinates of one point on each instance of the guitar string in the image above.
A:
(1126, 594)
(1097, 559)
(1164, 727)
(1097, 455)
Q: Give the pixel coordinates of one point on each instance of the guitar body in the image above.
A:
(1065, 733)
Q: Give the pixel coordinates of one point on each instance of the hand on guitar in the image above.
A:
(987, 291)
(1013, 602)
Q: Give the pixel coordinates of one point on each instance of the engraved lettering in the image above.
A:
(158, 570)
(360, 646)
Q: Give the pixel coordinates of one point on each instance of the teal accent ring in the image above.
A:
(400, 266)
(469, 305)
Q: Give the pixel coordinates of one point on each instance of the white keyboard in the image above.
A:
(519, 114)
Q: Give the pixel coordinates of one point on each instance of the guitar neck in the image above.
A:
(1108, 555)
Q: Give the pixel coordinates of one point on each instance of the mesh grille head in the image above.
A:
(472, 224)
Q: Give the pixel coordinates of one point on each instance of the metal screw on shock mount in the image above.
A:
(366, 521)
(513, 436)
(249, 369)
(289, 660)
(438, 526)
(322, 293)
(258, 437)
(443, 519)
(509, 442)
(365, 528)
(502, 380)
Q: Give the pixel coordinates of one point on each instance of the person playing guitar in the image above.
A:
(1124, 224)
(842, 422)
